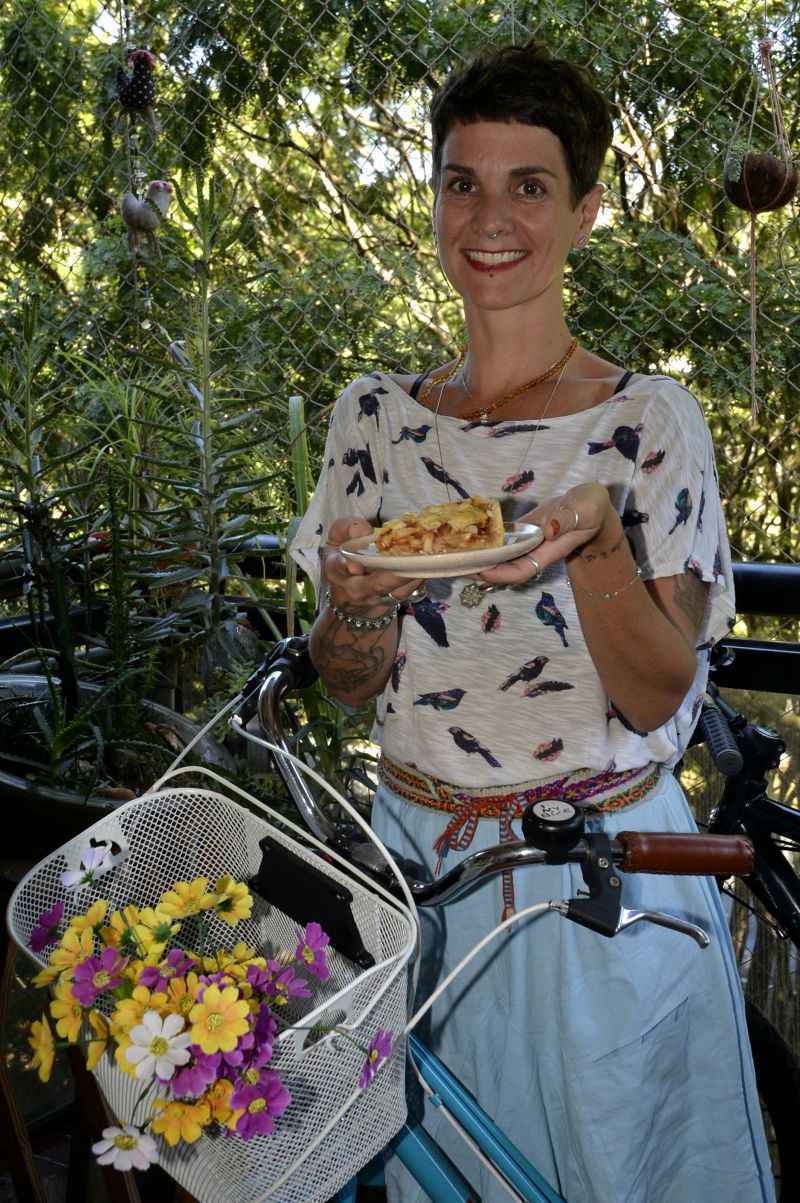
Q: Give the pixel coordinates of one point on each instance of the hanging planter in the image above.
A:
(760, 182)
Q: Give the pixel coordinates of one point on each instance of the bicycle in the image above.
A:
(744, 753)
(555, 835)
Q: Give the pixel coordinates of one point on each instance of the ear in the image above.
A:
(588, 208)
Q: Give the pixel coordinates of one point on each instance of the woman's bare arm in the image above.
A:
(355, 663)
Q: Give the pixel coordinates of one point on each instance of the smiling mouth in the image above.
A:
(495, 258)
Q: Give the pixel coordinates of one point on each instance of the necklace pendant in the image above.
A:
(472, 594)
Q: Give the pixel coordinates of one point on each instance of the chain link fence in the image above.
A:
(310, 116)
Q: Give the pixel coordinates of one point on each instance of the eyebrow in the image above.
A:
(516, 172)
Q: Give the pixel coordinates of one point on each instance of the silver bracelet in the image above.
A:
(614, 592)
(362, 624)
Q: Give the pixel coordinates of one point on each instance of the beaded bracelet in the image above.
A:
(362, 624)
(613, 592)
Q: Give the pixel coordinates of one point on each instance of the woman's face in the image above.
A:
(511, 181)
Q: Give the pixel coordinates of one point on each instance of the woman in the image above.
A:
(620, 1067)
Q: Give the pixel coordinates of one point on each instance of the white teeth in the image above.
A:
(496, 256)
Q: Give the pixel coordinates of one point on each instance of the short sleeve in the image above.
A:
(350, 481)
(673, 514)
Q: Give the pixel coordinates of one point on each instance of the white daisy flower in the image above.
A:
(125, 1148)
(158, 1046)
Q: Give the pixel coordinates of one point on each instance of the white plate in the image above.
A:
(519, 538)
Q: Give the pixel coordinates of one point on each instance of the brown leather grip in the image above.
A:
(684, 852)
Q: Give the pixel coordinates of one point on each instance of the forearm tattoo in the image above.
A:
(351, 660)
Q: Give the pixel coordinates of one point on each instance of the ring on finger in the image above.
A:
(575, 514)
(419, 594)
(539, 570)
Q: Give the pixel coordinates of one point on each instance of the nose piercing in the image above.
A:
(492, 236)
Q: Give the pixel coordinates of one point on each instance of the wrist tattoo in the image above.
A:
(589, 556)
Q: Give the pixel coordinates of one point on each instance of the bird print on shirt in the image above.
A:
(550, 749)
(468, 743)
(370, 407)
(413, 434)
(444, 477)
(363, 457)
(526, 672)
(398, 664)
(535, 691)
(625, 440)
(548, 612)
(652, 461)
(517, 428)
(633, 517)
(683, 507)
(519, 481)
(491, 619)
(429, 615)
(443, 699)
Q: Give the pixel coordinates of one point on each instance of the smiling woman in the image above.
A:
(621, 1068)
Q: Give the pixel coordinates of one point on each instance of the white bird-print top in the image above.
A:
(507, 692)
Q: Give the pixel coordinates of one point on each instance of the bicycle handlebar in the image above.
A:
(685, 852)
(547, 840)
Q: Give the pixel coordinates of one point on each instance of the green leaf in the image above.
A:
(301, 471)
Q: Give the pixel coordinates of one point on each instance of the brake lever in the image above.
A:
(603, 911)
(628, 917)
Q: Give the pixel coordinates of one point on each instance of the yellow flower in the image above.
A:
(73, 948)
(129, 1011)
(234, 961)
(218, 1098)
(180, 1121)
(95, 914)
(219, 1020)
(44, 1051)
(121, 927)
(68, 1011)
(233, 900)
(123, 1042)
(45, 976)
(157, 926)
(97, 1047)
(181, 993)
(186, 898)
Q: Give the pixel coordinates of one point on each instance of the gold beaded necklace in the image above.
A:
(483, 412)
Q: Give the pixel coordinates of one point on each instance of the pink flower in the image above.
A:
(262, 1102)
(311, 950)
(46, 930)
(378, 1050)
(158, 977)
(98, 975)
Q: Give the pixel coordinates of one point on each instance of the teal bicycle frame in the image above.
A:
(442, 1181)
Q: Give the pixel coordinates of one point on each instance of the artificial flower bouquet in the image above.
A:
(226, 1038)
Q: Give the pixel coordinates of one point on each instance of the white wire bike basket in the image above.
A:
(331, 1128)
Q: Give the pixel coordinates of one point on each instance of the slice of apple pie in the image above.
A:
(454, 526)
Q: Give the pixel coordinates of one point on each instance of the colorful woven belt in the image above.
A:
(595, 793)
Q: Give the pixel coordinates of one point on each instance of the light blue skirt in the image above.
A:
(620, 1067)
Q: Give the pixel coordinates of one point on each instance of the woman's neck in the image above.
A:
(506, 349)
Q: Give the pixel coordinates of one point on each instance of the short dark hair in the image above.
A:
(526, 84)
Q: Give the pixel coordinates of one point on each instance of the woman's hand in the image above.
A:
(351, 586)
(598, 523)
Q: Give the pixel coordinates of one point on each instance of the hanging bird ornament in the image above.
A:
(760, 182)
(136, 92)
(144, 215)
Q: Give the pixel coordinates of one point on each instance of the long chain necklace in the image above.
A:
(481, 414)
(472, 593)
